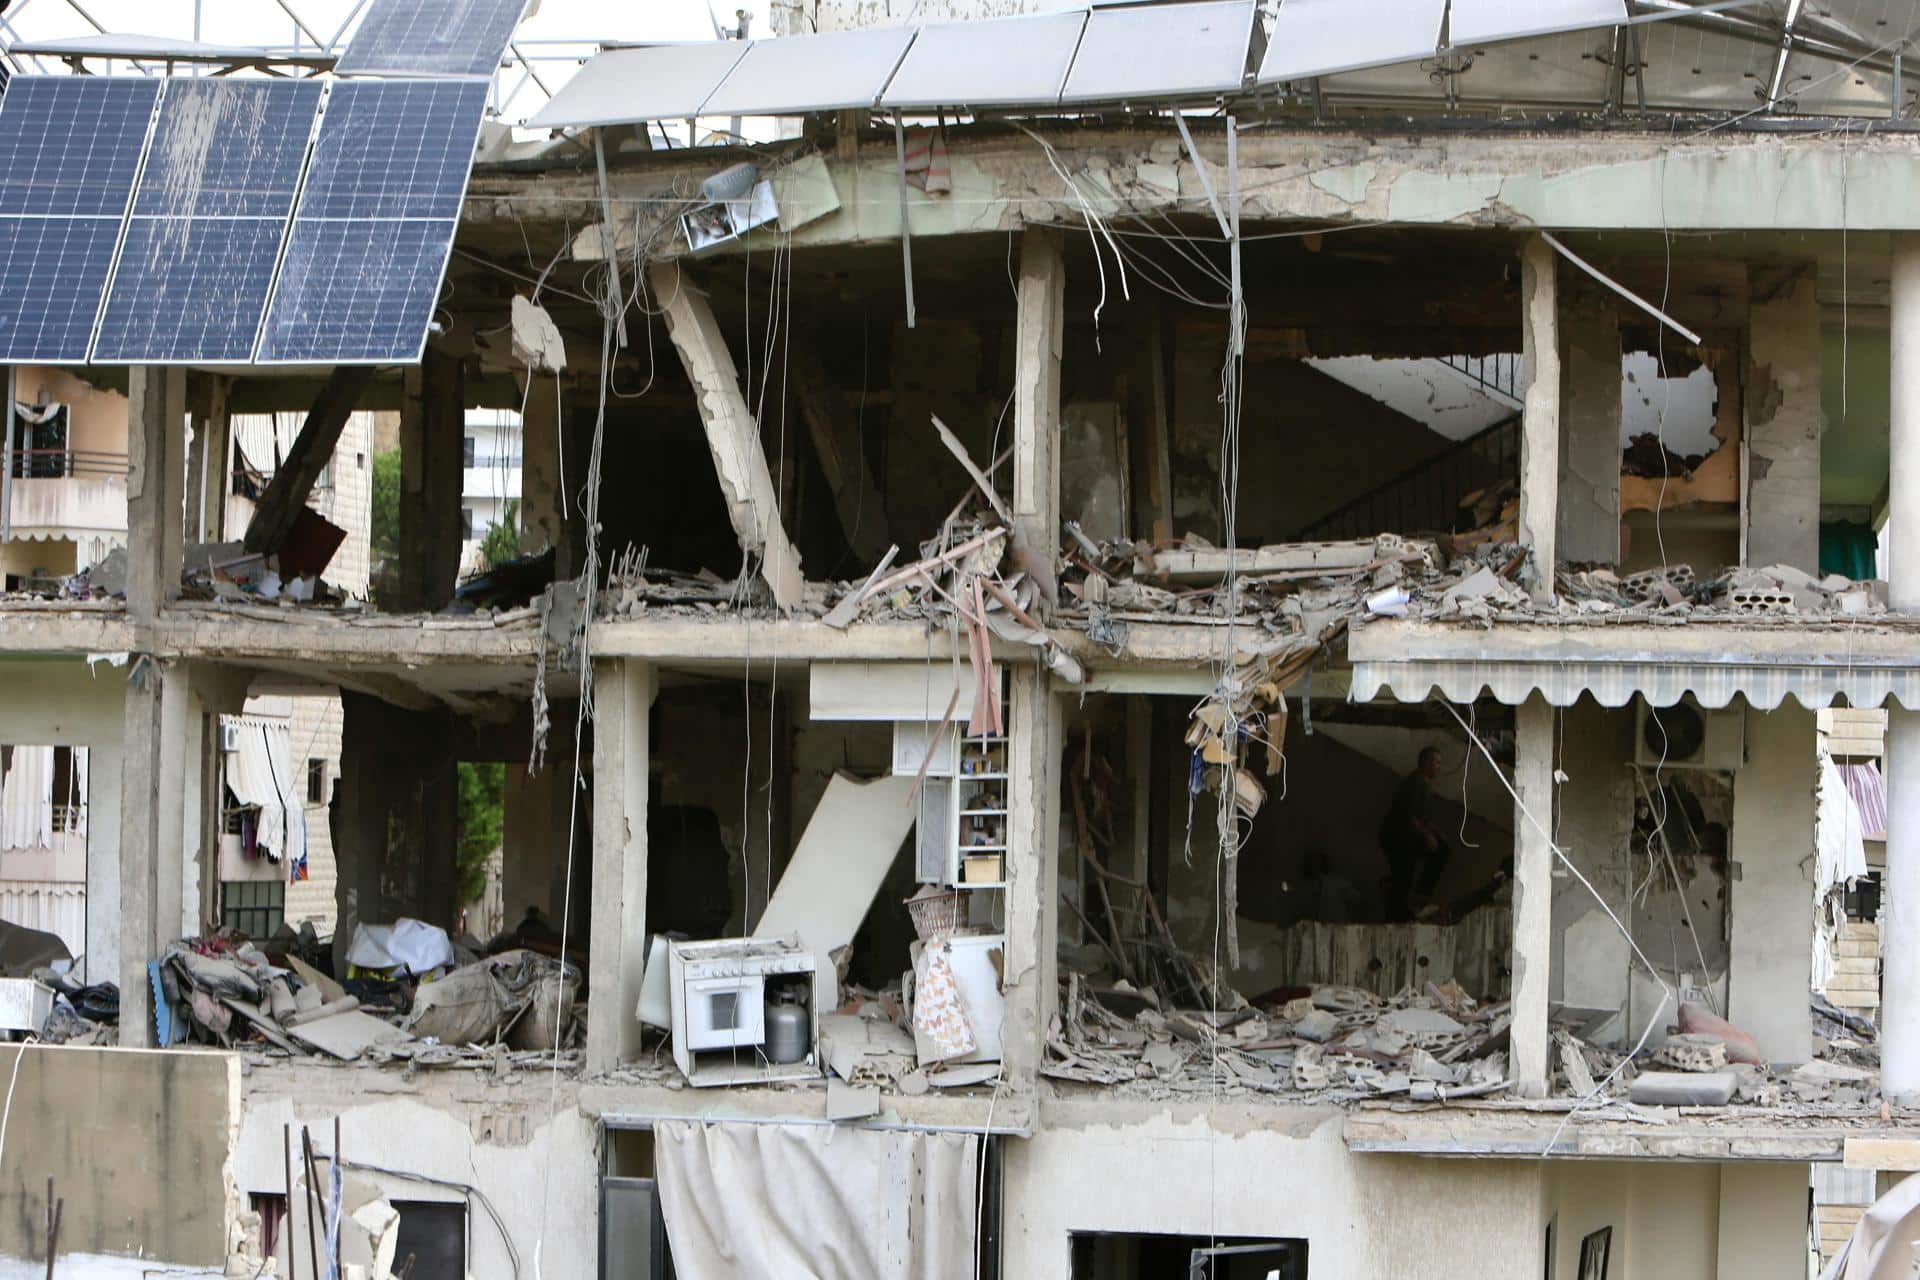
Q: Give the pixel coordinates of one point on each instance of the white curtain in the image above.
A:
(260, 772)
(79, 798)
(26, 800)
(817, 1202)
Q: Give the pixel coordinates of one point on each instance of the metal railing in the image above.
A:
(1425, 498)
(59, 464)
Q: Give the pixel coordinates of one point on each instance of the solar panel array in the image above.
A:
(376, 222)
(431, 38)
(208, 219)
(211, 220)
(70, 151)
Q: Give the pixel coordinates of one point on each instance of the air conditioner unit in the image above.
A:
(1686, 736)
(229, 736)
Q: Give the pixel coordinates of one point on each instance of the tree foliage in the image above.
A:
(482, 824)
(502, 540)
(385, 516)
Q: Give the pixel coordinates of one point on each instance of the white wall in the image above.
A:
(457, 1126)
(1269, 1172)
(57, 700)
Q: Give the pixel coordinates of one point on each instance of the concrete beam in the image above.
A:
(623, 698)
(1900, 937)
(1540, 422)
(1529, 1069)
(1846, 643)
(1561, 179)
(152, 826)
(1782, 401)
(732, 433)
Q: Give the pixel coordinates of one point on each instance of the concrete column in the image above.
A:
(1770, 902)
(1041, 329)
(432, 427)
(1036, 721)
(1035, 729)
(1532, 895)
(541, 477)
(1900, 932)
(623, 696)
(1540, 420)
(1588, 527)
(152, 825)
(1782, 404)
(156, 484)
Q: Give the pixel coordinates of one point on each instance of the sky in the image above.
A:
(266, 22)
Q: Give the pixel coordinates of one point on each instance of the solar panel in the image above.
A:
(1480, 21)
(189, 289)
(375, 224)
(208, 219)
(356, 292)
(659, 82)
(1323, 37)
(828, 72)
(70, 149)
(1167, 51)
(431, 37)
(994, 62)
(394, 149)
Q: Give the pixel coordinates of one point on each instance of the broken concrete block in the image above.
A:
(1683, 1088)
(1420, 1024)
(1693, 1053)
(1317, 1026)
(852, 1102)
(1309, 1068)
(1163, 1058)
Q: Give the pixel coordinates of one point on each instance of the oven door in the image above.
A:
(726, 1013)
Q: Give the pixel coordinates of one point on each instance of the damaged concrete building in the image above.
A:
(1191, 638)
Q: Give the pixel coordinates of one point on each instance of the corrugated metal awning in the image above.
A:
(1711, 659)
(1614, 684)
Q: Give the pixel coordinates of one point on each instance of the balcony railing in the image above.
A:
(60, 464)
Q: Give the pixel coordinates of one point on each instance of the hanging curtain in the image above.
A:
(1848, 549)
(26, 800)
(260, 774)
(78, 797)
(817, 1201)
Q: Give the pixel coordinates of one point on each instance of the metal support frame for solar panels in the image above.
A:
(126, 229)
(419, 352)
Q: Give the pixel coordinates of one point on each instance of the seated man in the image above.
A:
(1410, 839)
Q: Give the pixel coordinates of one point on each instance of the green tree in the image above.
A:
(482, 821)
(502, 540)
(385, 516)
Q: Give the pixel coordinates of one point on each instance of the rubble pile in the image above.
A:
(411, 996)
(1330, 1042)
(1710, 1062)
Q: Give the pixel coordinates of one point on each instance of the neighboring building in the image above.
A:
(1242, 686)
(490, 478)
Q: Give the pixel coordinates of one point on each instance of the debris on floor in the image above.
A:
(1333, 1042)
(411, 995)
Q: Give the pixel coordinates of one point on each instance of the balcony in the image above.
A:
(74, 494)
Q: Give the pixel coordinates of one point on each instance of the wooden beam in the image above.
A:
(732, 435)
(286, 494)
(836, 443)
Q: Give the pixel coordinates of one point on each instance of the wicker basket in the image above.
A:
(936, 915)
